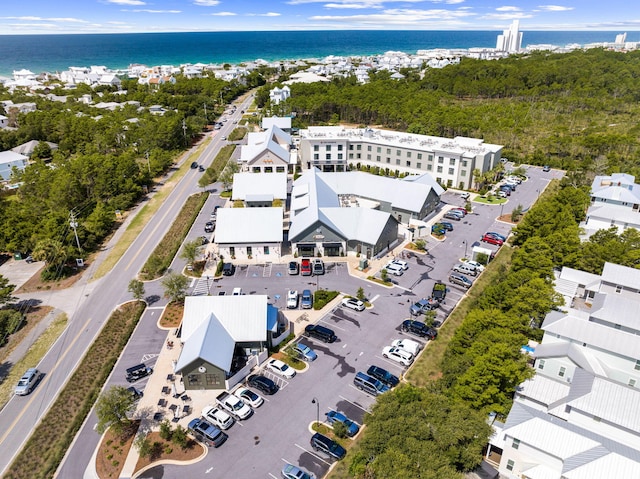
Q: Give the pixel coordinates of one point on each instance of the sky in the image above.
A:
(135, 16)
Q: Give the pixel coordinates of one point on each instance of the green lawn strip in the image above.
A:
(163, 254)
(221, 159)
(35, 353)
(428, 367)
(142, 218)
(43, 452)
(238, 134)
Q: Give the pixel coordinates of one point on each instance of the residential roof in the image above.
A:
(579, 277)
(274, 184)
(273, 140)
(616, 309)
(619, 213)
(543, 389)
(361, 224)
(211, 342)
(610, 465)
(11, 156)
(28, 147)
(249, 225)
(281, 122)
(618, 187)
(622, 275)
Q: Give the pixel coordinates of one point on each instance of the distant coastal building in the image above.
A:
(450, 161)
(10, 160)
(511, 39)
(278, 95)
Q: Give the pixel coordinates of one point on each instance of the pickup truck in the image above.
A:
(217, 417)
(234, 406)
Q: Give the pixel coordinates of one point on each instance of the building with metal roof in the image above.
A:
(10, 160)
(259, 189)
(450, 161)
(268, 151)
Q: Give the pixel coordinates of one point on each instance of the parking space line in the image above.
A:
(332, 325)
(374, 298)
(390, 362)
(313, 454)
(274, 477)
(351, 402)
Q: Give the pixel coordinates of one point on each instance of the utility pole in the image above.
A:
(184, 129)
(205, 114)
(148, 163)
(74, 224)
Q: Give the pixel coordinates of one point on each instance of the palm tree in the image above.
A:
(51, 251)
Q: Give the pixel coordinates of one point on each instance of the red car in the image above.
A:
(492, 240)
(305, 267)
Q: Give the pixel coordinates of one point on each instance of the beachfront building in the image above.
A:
(10, 160)
(511, 39)
(450, 161)
(268, 151)
(260, 190)
(615, 203)
(578, 417)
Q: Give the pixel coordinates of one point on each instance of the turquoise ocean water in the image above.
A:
(51, 53)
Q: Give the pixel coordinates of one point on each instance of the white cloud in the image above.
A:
(223, 14)
(402, 17)
(506, 16)
(206, 3)
(126, 2)
(361, 3)
(508, 9)
(46, 19)
(268, 14)
(554, 8)
(352, 6)
(147, 10)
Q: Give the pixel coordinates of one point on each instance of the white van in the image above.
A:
(394, 269)
(236, 292)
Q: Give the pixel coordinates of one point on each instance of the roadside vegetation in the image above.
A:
(44, 450)
(213, 172)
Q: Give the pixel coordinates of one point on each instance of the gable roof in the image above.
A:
(247, 184)
(622, 275)
(210, 342)
(259, 225)
(273, 140)
(28, 147)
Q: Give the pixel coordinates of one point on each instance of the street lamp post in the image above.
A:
(465, 248)
(501, 208)
(317, 403)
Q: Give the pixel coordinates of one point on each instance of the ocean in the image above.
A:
(51, 53)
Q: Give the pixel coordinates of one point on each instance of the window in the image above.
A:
(408, 154)
(249, 251)
(388, 160)
(440, 159)
(439, 169)
(358, 147)
(637, 366)
(378, 158)
(452, 161)
(266, 250)
(408, 163)
(617, 326)
(562, 371)
(256, 169)
(398, 161)
(280, 169)
(388, 151)
(510, 465)
(451, 171)
(339, 156)
(328, 147)
(430, 158)
(316, 147)
(327, 156)
(339, 147)
(618, 289)
(429, 167)
(463, 172)
(351, 156)
(358, 155)
(419, 165)
(419, 156)
(516, 443)
(379, 149)
(212, 379)
(632, 383)
(368, 147)
(541, 364)
(398, 153)
(316, 156)
(350, 147)
(232, 251)
(368, 156)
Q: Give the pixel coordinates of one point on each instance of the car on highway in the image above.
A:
(194, 165)
(492, 240)
(409, 345)
(460, 280)
(423, 305)
(201, 168)
(418, 328)
(398, 355)
(292, 299)
(281, 369)
(452, 216)
(336, 416)
(249, 397)
(306, 300)
(289, 471)
(206, 432)
(353, 303)
(262, 384)
(304, 352)
(294, 268)
(27, 382)
(322, 443)
(305, 267)
(383, 375)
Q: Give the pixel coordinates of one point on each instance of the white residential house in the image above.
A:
(615, 202)
(579, 416)
(268, 151)
(260, 236)
(10, 160)
(278, 95)
(260, 189)
(450, 161)
(4, 121)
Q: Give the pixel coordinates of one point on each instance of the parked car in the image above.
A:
(383, 375)
(446, 225)
(403, 264)
(318, 267)
(307, 299)
(465, 195)
(497, 235)
(289, 471)
(502, 194)
(506, 190)
(281, 369)
(439, 291)
(207, 433)
(369, 384)
(335, 416)
(27, 382)
(422, 306)
(320, 332)
(353, 303)
(136, 394)
(438, 229)
(398, 355)
(546, 168)
(465, 268)
(492, 240)
(452, 216)
(138, 371)
(294, 268)
(218, 417)
(460, 280)
(328, 446)
(292, 299)
(304, 352)
(418, 328)
(479, 267)
(262, 384)
(209, 227)
(228, 269)
(409, 345)
(394, 269)
(463, 211)
(204, 240)
(249, 397)
(305, 267)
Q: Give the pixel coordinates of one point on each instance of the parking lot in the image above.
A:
(279, 431)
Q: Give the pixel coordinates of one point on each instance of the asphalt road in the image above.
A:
(99, 299)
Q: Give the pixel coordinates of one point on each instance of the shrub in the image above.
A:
(165, 430)
(420, 244)
(340, 430)
(322, 297)
(180, 437)
(219, 267)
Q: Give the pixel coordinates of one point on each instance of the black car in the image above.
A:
(383, 375)
(194, 165)
(320, 332)
(200, 168)
(204, 240)
(327, 446)
(262, 384)
(419, 329)
(228, 269)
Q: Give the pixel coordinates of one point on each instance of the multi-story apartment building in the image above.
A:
(450, 161)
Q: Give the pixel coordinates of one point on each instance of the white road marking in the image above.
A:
(313, 454)
(351, 402)
(344, 346)
(274, 477)
(207, 471)
(332, 325)
(374, 298)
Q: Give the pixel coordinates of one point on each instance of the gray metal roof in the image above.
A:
(210, 342)
(273, 140)
(543, 389)
(249, 225)
(622, 275)
(274, 184)
(616, 309)
(28, 147)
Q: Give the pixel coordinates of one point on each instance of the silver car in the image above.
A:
(27, 382)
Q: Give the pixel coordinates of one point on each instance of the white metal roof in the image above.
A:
(619, 213)
(610, 466)
(616, 309)
(622, 275)
(540, 471)
(361, 224)
(210, 342)
(259, 184)
(543, 389)
(11, 156)
(249, 225)
(579, 277)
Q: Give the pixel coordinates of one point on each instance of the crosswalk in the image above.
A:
(201, 287)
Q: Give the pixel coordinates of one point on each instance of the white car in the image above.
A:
(249, 397)
(353, 303)
(476, 265)
(409, 345)
(403, 264)
(217, 417)
(398, 355)
(292, 299)
(394, 269)
(281, 369)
